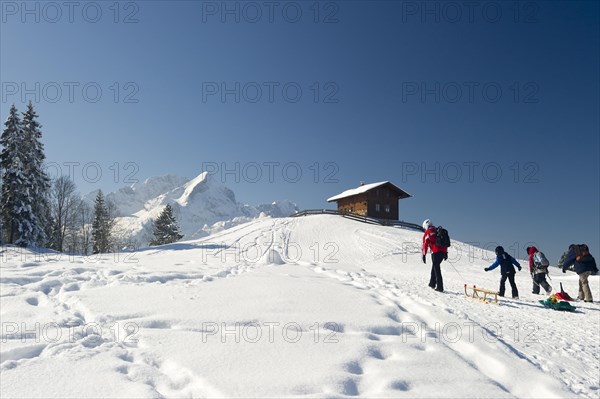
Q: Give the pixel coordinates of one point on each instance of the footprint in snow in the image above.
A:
(126, 357)
(393, 316)
(32, 301)
(400, 385)
(156, 324)
(376, 353)
(349, 388)
(71, 287)
(353, 368)
(386, 330)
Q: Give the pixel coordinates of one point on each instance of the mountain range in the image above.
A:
(202, 206)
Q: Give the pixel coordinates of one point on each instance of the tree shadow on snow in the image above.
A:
(185, 247)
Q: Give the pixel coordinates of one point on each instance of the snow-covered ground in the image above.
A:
(318, 306)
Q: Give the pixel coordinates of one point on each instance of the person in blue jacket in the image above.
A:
(585, 265)
(506, 262)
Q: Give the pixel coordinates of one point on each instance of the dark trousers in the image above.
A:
(511, 280)
(539, 280)
(436, 280)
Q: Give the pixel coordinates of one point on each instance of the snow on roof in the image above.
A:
(363, 189)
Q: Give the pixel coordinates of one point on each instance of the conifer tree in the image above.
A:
(166, 229)
(16, 204)
(11, 176)
(101, 226)
(39, 183)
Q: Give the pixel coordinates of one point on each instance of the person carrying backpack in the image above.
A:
(506, 262)
(538, 268)
(438, 254)
(585, 265)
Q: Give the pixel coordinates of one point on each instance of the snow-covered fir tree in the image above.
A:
(166, 229)
(25, 185)
(20, 224)
(101, 226)
(11, 177)
(34, 169)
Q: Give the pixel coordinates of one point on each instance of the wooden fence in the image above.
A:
(360, 218)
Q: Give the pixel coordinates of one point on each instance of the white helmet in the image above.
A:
(426, 224)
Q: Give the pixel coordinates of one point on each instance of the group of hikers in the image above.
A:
(577, 258)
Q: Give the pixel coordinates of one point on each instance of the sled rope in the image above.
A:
(451, 264)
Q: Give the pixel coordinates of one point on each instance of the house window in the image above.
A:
(377, 208)
(387, 209)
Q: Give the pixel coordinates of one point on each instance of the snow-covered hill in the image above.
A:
(202, 206)
(316, 306)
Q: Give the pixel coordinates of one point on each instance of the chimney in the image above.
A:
(362, 183)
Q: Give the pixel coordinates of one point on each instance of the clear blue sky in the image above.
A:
(389, 91)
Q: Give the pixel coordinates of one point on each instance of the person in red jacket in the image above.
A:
(438, 254)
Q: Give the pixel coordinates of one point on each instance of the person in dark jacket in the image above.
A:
(584, 267)
(506, 262)
(538, 273)
(438, 254)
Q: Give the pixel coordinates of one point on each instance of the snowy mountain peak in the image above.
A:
(204, 184)
(158, 184)
(202, 205)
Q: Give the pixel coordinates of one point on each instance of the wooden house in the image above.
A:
(376, 200)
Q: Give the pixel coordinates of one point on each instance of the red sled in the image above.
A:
(562, 295)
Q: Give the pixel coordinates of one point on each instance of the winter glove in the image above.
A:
(519, 269)
(445, 255)
(486, 270)
(424, 259)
